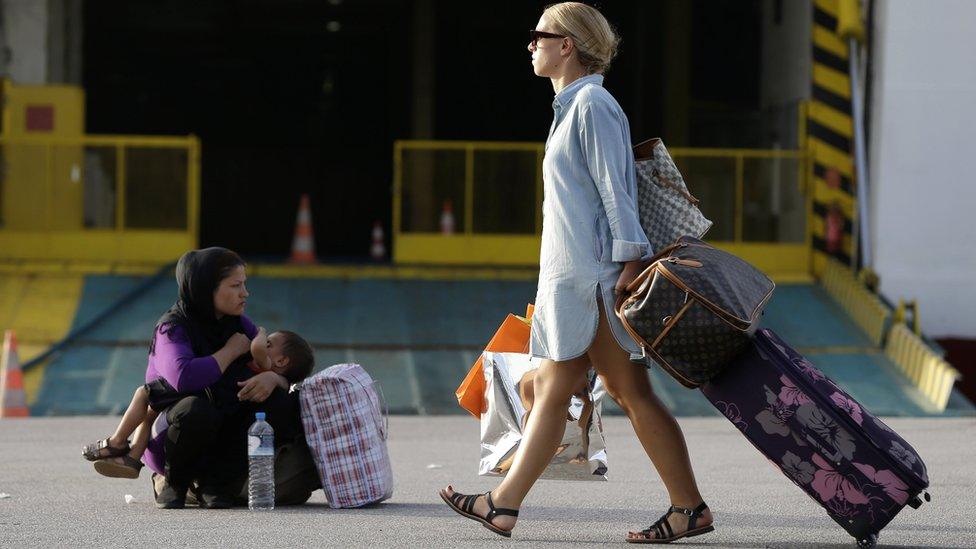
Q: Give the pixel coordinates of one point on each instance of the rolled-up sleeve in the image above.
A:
(609, 161)
(175, 362)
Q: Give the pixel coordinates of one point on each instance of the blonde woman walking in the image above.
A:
(592, 247)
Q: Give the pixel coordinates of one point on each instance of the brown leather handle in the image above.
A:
(618, 305)
(628, 292)
(667, 251)
(640, 278)
(667, 182)
(645, 149)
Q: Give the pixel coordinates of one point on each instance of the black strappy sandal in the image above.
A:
(463, 505)
(93, 451)
(129, 468)
(662, 527)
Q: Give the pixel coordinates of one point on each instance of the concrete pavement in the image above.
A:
(57, 500)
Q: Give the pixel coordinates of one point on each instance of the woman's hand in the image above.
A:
(630, 272)
(259, 387)
(237, 345)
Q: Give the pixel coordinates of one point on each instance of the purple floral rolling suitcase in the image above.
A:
(859, 470)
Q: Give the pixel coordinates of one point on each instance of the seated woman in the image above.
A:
(282, 352)
(200, 348)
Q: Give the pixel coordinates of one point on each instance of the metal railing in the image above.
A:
(495, 189)
(98, 197)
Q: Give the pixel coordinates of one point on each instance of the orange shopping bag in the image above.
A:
(511, 337)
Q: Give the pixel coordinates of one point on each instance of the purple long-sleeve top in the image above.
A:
(174, 361)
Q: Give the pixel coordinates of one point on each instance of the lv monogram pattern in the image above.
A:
(700, 343)
(665, 214)
(733, 285)
(700, 348)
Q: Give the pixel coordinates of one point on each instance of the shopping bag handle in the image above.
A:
(385, 425)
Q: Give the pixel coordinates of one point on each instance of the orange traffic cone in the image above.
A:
(378, 249)
(447, 218)
(303, 246)
(13, 400)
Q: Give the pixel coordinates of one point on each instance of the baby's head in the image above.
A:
(290, 355)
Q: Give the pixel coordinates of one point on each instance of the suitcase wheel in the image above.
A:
(868, 542)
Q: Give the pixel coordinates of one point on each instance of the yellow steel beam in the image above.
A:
(832, 80)
(103, 140)
(831, 156)
(831, 118)
(462, 145)
(829, 6)
(829, 41)
(826, 195)
(734, 153)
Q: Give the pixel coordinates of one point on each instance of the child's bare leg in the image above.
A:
(137, 421)
(131, 419)
(140, 438)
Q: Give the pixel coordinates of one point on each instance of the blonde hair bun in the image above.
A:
(595, 39)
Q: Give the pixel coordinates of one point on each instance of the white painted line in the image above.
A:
(469, 359)
(414, 381)
(113, 368)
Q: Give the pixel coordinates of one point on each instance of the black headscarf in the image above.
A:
(198, 275)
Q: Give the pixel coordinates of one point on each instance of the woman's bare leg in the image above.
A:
(555, 383)
(656, 428)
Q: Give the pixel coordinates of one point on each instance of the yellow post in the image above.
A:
(120, 187)
(193, 191)
(5, 105)
(48, 186)
(916, 320)
(849, 24)
(397, 189)
(469, 189)
(806, 180)
(899, 314)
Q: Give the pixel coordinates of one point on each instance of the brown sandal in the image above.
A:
(129, 468)
(662, 527)
(93, 451)
(463, 505)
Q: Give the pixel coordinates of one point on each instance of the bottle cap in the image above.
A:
(259, 416)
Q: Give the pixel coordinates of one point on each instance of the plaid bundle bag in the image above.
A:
(346, 431)
(666, 209)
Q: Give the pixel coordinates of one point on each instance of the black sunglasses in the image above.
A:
(535, 35)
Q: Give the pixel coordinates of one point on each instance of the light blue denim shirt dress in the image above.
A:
(589, 221)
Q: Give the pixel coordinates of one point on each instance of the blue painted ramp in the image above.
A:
(419, 337)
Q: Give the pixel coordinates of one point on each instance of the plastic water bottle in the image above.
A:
(260, 456)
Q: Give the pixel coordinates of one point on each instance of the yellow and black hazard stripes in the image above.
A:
(830, 140)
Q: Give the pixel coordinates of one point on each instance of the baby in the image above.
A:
(282, 352)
